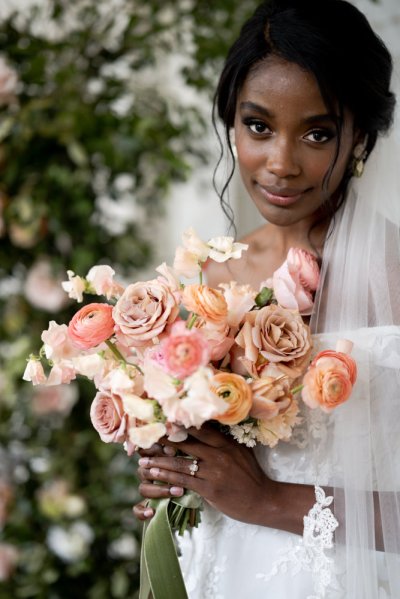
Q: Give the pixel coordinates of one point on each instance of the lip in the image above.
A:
(281, 196)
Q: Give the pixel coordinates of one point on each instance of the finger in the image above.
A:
(143, 512)
(155, 449)
(152, 491)
(185, 465)
(210, 436)
(176, 479)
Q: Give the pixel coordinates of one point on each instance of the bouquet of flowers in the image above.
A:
(166, 356)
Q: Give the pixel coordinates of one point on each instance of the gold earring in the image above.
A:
(359, 156)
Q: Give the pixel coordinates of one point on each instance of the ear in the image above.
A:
(360, 140)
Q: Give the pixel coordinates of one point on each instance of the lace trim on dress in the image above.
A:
(311, 553)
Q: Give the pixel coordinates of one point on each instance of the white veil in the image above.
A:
(360, 300)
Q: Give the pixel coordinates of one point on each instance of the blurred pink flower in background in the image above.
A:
(8, 560)
(43, 288)
(8, 82)
(54, 400)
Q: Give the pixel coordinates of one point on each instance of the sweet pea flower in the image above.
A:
(91, 325)
(146, 435)
(101, 279)
(188, 259)
(57, 342)
(224, 248)
(61, 372)
(198, 402)
(240, 299)
(34, 373)
(75, 286)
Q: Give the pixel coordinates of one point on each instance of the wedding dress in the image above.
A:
(227, 559)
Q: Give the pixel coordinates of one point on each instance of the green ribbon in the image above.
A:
(160, 572)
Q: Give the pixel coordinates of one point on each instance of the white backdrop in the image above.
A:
(196, 204)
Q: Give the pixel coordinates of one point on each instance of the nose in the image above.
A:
(282, 158)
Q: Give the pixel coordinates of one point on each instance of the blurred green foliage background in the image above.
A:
(103, 105)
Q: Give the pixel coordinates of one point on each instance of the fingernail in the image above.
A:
(169, 450)
(148, 512)
(154, 471)
(176, 491)
(144, 461)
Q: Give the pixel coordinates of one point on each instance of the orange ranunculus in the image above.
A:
(206, 302)
(329, 380)
(91, 325)
(233, 389)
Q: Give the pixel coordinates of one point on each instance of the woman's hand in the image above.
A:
(229, 477)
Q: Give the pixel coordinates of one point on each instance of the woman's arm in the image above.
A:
(230, 479)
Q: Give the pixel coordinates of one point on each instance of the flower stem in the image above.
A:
(191, 321)
(120, 357)
(296, 389)
(200, 275)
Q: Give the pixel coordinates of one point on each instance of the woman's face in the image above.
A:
(286, 142)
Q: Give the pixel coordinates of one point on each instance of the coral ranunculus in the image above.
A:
(91, 325)
(329, 380)
(184, 350)
(236, 392)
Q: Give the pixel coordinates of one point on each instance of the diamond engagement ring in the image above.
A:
(193, 468)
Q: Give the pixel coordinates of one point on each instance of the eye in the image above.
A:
(319, 135)
(256, 126)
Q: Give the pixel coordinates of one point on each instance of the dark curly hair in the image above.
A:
(332, 40)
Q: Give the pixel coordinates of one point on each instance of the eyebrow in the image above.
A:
(265, 112)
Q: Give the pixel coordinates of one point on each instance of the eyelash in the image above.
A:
(326, 133)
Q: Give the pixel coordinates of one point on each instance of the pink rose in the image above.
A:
(143, 312)
(184, 350)
(296, 280)
(91, 325)
(109, 418)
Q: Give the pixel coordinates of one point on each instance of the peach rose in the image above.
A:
(109, 418)
(206, 302)
(329, 380)
(278, 336)
(271, 396)
(91, 325)
(269, 432)
(234, 390)
(143, 312)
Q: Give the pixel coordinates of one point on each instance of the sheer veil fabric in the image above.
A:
(360, 299)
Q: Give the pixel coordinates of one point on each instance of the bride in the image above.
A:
(305, 94)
